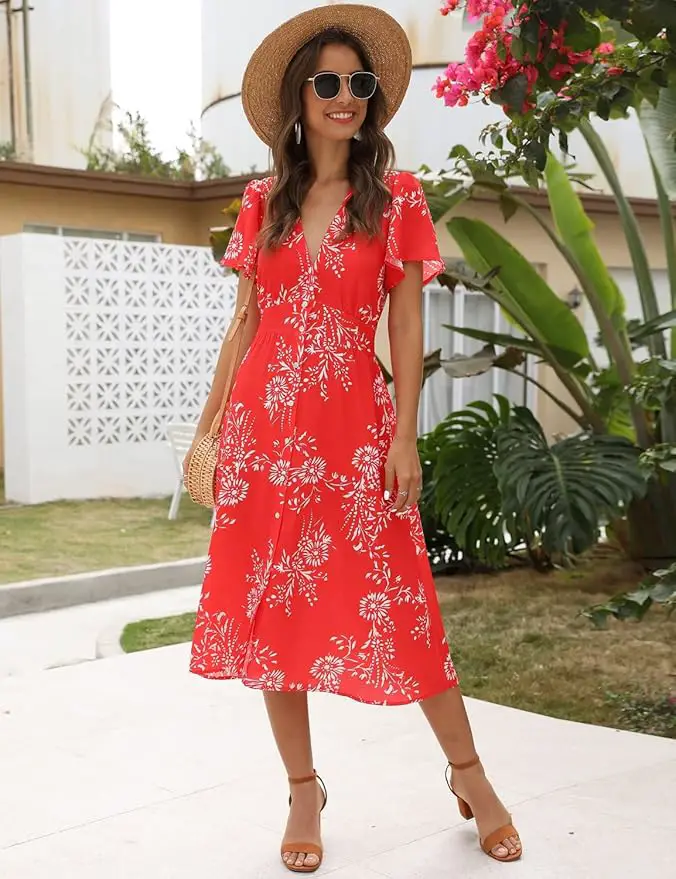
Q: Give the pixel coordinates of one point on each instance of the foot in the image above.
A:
(303, 824)
(472, 785)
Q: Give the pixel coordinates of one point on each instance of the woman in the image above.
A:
(317, 576)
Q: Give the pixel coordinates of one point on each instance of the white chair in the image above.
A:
(180, 436)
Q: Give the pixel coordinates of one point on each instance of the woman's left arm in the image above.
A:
(403, 473)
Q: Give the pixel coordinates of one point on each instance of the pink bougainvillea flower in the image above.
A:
(449, 6)
(489, 63)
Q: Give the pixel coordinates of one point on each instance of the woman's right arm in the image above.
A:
(227, 353)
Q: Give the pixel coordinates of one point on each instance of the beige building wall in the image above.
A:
(181, 213)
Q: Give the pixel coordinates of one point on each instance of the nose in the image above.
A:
(344, 95)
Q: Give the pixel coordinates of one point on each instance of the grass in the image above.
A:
(148, 634)
(56, 539)
(518, 640)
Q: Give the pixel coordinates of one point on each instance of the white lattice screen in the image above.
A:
(104, 344)
(144, 323)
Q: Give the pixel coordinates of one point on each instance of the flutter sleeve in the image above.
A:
(242, 250)
(411, 235)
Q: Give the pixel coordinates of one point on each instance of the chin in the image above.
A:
(340, 135)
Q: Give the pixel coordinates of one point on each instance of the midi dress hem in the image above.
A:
(395, 701)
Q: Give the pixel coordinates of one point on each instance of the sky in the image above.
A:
(156, 66)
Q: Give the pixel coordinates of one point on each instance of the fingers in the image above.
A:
(408, 491)
(389, 481)
(404, 488)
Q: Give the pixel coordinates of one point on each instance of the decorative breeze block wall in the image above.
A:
(104, 344)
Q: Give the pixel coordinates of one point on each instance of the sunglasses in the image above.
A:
(362, 84)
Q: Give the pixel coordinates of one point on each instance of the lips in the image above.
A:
(342, 117)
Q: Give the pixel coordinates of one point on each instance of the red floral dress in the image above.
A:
(312, 583)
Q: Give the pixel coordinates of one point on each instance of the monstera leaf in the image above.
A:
(467, 494)
(564, 492)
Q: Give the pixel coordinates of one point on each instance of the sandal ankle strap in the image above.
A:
(468, 765)
(306, 779)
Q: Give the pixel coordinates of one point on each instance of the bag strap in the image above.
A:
(235, 332)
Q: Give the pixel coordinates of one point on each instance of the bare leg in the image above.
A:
(447, 716)
(289, 719)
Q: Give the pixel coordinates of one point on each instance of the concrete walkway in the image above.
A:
(131, 767)
(38, 641)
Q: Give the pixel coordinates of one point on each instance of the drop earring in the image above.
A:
(357, 135)
(299, 131)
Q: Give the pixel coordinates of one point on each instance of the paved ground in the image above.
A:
(64, 637)
(131, 767)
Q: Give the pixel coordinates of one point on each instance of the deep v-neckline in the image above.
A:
(314, 262)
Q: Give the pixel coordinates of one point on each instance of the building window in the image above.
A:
(442, 395)
(106, 234)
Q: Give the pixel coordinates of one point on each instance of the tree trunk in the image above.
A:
(652, 525)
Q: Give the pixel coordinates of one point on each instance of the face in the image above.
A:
(341, 117)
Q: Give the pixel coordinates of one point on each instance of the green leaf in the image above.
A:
(582, 33)
(219, 239)
(466, 365)
(468, 501)
(508, 206)
(575, 230)
(632, 232)
(661, 323)
(513, 93)
(568, 489)
(505, 340)
(519, 288)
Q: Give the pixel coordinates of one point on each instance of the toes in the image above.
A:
(509, 846)
(311, 861)
(300, 859)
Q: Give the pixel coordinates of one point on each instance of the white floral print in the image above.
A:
(312, 583)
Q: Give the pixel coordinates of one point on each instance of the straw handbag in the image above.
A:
(201, 475)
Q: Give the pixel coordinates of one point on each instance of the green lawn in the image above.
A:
(50, 540)
(518, 640)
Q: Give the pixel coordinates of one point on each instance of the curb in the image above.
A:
(54, 593)
(108, 642)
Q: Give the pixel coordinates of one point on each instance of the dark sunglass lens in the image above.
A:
(327, 85)
(363, 85)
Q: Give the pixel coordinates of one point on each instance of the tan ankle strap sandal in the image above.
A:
(497, 837)
(305, 848)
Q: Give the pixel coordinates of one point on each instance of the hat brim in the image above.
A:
(382, 37)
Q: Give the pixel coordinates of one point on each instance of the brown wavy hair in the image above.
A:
(370, 156)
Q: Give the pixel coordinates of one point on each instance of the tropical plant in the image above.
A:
(619, 397)
(444, 554)
(658, 588)
(139, 156)
(499, 488)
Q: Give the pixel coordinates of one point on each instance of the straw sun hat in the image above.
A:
(384, 40)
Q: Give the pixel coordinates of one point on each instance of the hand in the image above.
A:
(403, 474)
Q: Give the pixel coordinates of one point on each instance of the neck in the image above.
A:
(329, 159)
